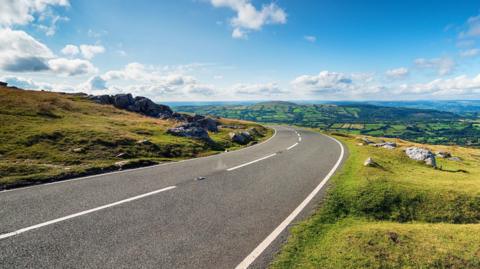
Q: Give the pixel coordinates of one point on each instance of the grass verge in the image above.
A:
(401, 214)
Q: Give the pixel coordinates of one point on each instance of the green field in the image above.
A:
(420, 125)
(402, 214)
(50, 136)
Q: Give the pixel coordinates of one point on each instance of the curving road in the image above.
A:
(224, 211)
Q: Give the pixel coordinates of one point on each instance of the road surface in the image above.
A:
(224, 211)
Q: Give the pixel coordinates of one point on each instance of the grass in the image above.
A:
(50, 136)
(401, 214)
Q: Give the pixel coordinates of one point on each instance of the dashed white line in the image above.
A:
(254, 161)
(292, 146)
(271, 237)
(17, 232)
(299, 139)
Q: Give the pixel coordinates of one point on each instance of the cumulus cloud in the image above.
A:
(71, 67)
(249, 18)
(443, 66)
(30, 84)
(70, 50)
(454, 87)
(310, 38)
(22, 12)
(89, 51)
(264, 90)
(397, 73)
(19, 52)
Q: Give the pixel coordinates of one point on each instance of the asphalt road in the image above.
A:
(162, 217)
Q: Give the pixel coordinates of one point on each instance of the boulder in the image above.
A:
(367, 141)
(78, 150)
(240, 137)
(123, 155)
(254, 131)
(421, 154)
(208, 123)
(190, 131)
(370, 162)
(444, 154)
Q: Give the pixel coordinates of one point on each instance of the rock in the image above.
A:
(367, 141)
(144, 142)
(78, 150)
(123, 155)
(421, 154)
(207, 123)
(139, 104)
(190, 131)
(444, 154)
(254, 131)
(4, 84)
(455, 159)
(370, 162)
(122, 164)
(389, 145)
(240, 137)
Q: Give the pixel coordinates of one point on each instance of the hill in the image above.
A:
(399, 213)
(49, 136)
(421, 125)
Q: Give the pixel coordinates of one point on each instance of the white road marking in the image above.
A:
(299, 139)
(292, 146)
(271, 237)
(254, 161)
(17, 232)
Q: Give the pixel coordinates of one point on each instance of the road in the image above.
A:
(223, 211)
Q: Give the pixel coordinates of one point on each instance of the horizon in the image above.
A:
(245, 50)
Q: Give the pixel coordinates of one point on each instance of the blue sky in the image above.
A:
(244, 49)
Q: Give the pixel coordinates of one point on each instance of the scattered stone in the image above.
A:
(144, 142)
(360, 144)
(240, 137)
(370, 162)
(200, 178)
(123, 155)
(78, 150)
(455, 159)
(122, 164)
(387, 145)
(367, 141)
(444, 154)
(421, 154)
(190, 131)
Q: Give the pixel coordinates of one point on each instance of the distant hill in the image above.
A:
(421, 125)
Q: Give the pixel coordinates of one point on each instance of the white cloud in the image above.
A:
(22, 12)
(20, 52)
(453, 88)
(472, 28)
(397, 73)
(310, 38)
(71, 67)
(469, 52)
(70, 50)
(443, 66)
(264, 90)
(89, 51)
(249, 18)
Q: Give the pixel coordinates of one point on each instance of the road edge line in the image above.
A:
(275, 233)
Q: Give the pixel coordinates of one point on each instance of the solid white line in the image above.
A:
(17, 232)
(254, 161)
(292, 146)
(270, 238)
(136, 169)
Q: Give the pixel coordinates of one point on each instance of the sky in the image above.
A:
(220, 50)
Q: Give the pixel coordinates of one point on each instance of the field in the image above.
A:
(420, 125)
(402, 214)
(51, 136)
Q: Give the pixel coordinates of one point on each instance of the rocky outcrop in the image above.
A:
(386, 145)
(421, 154)
(444, 154)
(139, 104)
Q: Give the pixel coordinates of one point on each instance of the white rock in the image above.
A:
(421, 154)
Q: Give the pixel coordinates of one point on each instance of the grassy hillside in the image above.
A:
(402, 214)
(49, 136)
(421, 125)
